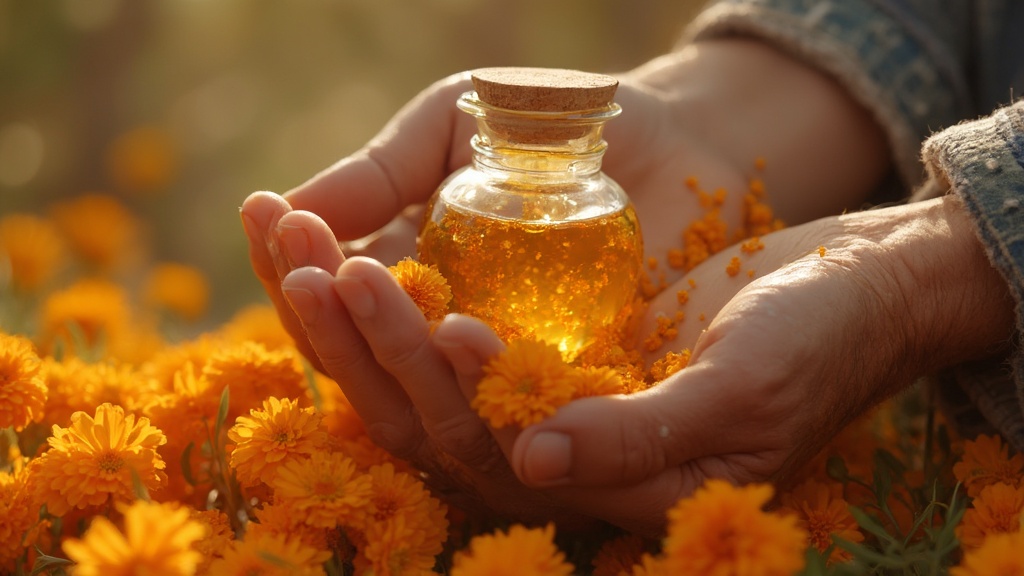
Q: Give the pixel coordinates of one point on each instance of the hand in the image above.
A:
(790, 358)
(666, 134)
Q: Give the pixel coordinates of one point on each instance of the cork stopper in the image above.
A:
(543, 89)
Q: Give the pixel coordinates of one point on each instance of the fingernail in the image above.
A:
(295, 243)
(356, 295)
(249, 225)
(547, 459)
(304, 303)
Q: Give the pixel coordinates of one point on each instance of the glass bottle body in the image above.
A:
(532, 237)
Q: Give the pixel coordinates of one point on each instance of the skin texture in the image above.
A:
(846, 329)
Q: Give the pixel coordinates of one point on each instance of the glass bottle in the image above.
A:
(532, 237)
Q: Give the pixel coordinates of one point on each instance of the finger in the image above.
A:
(390, 417)
(621, 440)
(260, 213)
(305, 240)
(402, 165)
(399, 337)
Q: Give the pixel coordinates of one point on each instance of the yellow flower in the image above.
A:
(22, 389)
(821, 510)
(519, 552)
(406, 527)
(283, 520)
(99, 228)
(273, 436)
(81, 386)
(94, 460)
(189, 412)
(523, 384)
(270, 554)
(999, 555)
(722, 529)
(98, 308)
(253, 373)
(425, 285)
(986, 461)
(31, 248)
(178, 288)
(143, 159)
(157, 539)
(597, 381)
(325, 488)
(619, 555)
(217, 536)
(997, 509)
(17, 515)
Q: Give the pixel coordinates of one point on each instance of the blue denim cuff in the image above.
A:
(983, 163)
(893, 64)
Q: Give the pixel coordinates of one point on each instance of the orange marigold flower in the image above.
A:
(986, 460)
(189, 410)
(669, 364)
(284, 520)
(31, 248)
(157, 539)
(98, 308)
(619, 555)
(23, 391)
(821, 510)
(519, 552)
(273, 436)
(525, 383)
(97, 459)
(597, 381)
(998, 555)
(722, 529)
(996, 510)
(143, 159)
(270, 554)
(649, 566)
(180, 289)
(18, 514)
(425, 285)
(394, 548)
(254, 373)
(99, 228)
(326, 488)
(217, 536)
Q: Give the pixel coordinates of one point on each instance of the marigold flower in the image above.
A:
(996, 510)
(284, 520)
(258, 323)
(597, 381)
(273, 436)
(425, 285)
(31, 248)
(325, 488)
(619, 555)
(669, 364)
(519, 552)
(157, 539)
(254, 373)
(143, 159)
(98, 308)
(722, 529)
(649, 565)
(95, 459)
(986, 460)
(178, 288)
(23, 392)
(270, 555)
(998, 555)
(821, 510)
(217, 536)
(18, 513)
(99, 228)
(189, 410)
(523, 384)
(405, 527)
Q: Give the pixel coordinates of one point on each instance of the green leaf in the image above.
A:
(186, 464)
(45, 563)
(865, 521)
(836, 469)
(222, 414)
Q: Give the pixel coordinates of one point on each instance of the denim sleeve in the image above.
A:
(903, 60)
(983, 162)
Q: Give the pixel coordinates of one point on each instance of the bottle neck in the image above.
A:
(541, 144)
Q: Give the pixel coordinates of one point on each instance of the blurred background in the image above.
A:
(178, 109)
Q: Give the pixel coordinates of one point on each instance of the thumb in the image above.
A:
(623, 440)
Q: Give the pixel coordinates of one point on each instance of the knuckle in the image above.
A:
(466, 439)
(641, 451)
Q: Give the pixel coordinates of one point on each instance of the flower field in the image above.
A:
(129, 450)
